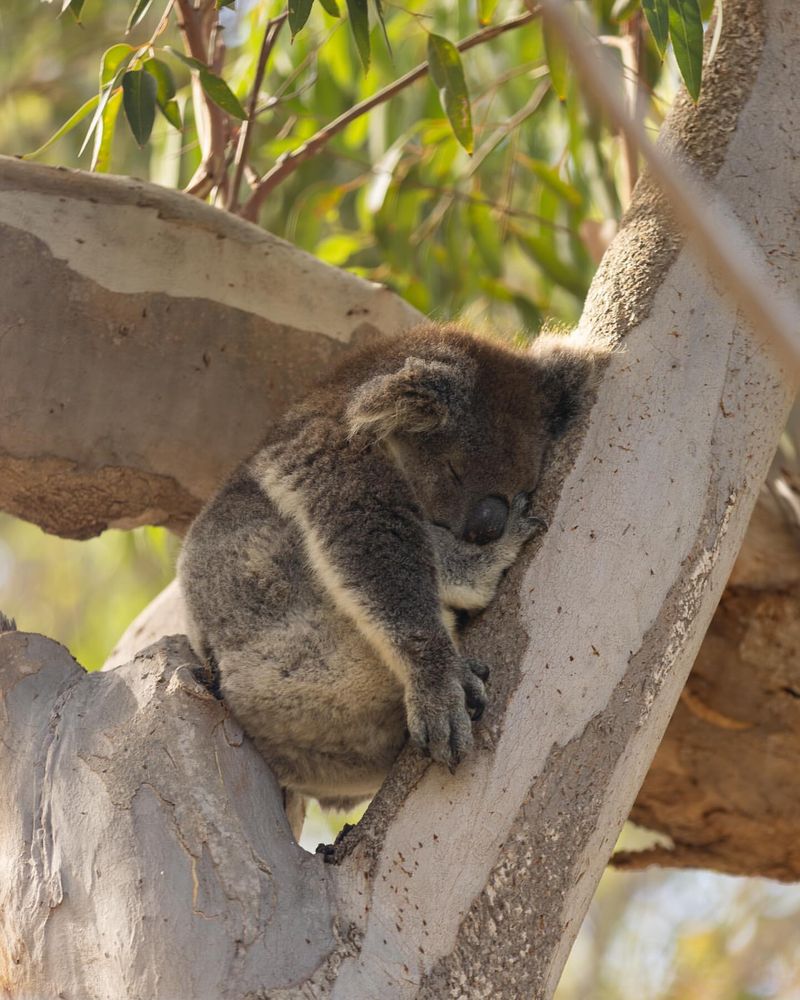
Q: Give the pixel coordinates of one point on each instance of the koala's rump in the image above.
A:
(322, 709)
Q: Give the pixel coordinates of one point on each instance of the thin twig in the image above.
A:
(727, 245)
(271, 31)
(290, 161)
(196, 37)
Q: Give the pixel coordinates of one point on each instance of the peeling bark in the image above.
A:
(132, 318)
(466, 885)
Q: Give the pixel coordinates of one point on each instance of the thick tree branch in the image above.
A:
(161, 315)
(469, 883)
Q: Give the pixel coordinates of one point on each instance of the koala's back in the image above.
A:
(305, 685)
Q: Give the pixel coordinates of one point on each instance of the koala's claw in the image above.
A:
(440, 726)
(475, 675)
(521, 519)
(440, 723)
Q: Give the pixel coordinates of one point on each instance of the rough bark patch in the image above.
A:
(633, 269)
(64, 500)
(125, 409)
(723, 785)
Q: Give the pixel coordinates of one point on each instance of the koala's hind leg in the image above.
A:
(469, 574)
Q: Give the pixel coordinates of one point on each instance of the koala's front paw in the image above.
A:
(522, 522)
(439, 722)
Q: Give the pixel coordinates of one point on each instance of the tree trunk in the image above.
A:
(146, 849)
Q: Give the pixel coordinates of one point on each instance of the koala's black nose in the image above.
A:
(486, 521)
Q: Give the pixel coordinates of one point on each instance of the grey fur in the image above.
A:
(322, 578)
(7, 624)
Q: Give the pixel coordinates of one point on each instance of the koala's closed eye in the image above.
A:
(486, 521)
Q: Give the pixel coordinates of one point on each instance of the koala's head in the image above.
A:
(469, 421)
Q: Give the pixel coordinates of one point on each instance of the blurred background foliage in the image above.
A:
(509, 237)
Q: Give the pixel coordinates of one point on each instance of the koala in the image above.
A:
(323, 581)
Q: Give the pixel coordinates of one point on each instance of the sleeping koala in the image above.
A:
(321, 582)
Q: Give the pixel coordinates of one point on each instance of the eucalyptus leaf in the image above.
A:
(138, 13)
(189, 61)
(221, 94)
(686, 33)
(216, 88)
(550, 176)
(113, 60)
(543, 253)
(656, 13)
(112, 66)
(298, 14)
(139, 90)
(68, 126)
(104, 135)
(331, 7)
(359, 25)
(623, 10)
(556, 56)
(381, 19)
(165, 94)
(486, 9)
(447, 73)
(74, 7)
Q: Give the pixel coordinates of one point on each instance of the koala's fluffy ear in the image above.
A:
(568, 371)
(421, 396)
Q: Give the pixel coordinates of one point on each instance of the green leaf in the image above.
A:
(656, 13)
(74, 7)
(113, 60)
(556, 56)
(190, 61)
(68, 126)
(104, 135)
(447, 73)
(165, 93)
(686, 32)
(298, 14)
(139, 91)
(221, 94)
(359, 25)
(486, 9)
(486, 234)
(331, 7)
(112, 66)
(225, 3)
(623, 10)
(549, 175)
(379, 9)
(562, 273)
(138, 12)
(216, 88)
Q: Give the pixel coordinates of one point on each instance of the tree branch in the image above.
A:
(290, 161)
(196, 25)
(711, 225)
(271, 31)
(190, 313)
